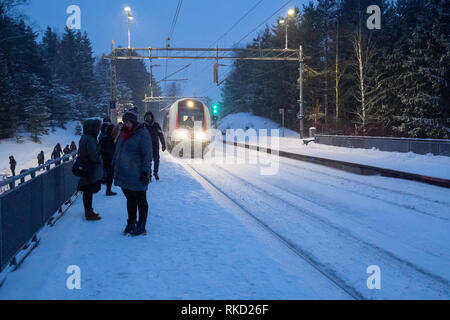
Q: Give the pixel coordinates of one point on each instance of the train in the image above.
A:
(187, 124)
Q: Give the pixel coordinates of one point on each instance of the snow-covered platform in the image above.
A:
(427, 165)
(195, 249)
(226, 231)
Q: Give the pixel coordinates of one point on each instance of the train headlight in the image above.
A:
(200, 135)
(181, 134)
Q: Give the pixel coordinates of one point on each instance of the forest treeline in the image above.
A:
(392, 81)
(46, 83)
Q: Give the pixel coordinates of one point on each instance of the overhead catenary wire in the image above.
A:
(252, 31)
(171, 32)
(254, 77)
(229, 30)
(175, 18)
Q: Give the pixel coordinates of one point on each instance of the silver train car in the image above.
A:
(187, 122)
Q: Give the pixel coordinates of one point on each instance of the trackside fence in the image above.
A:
(29, 201)
(419, 146)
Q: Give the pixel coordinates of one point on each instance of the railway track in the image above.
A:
(361, 188)
(432, 279)
(369, 191)
(349, 166)
(326, 272)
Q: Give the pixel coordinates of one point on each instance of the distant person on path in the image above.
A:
(66, 152)
(12, 165)
(89, 151)
(41, 158)
(56, 154)
(59, 149)
(73, 147)
(157, 135)
(132, 161)
(108, 147)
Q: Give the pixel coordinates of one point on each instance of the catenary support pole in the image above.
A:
(301, 114)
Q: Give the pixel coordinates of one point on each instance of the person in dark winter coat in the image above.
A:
(56, 154)
(102, 133)
(73, 147)
(108, 147)
(59, 149)
(157, 135)
(89, 151)
(12, 165)
(66, 152)
(131, 170)
(41, 158)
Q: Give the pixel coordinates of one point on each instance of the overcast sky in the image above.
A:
(200, 24)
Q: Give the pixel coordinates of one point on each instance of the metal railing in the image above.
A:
(29, 200)
(392, 144)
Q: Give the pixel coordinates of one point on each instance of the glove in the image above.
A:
(145, 178)
(163, 148)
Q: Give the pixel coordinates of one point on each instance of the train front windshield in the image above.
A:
(190, 112)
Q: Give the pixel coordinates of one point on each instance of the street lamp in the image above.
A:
(130, 17)
(290, 13)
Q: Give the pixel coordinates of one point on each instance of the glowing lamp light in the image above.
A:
(282, 21)
(190, 104)
(291, 12)
(181, 134)
(127, 9)
(200, 135)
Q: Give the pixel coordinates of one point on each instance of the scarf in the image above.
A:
(127, 133)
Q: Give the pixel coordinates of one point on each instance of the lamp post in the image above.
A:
(290, 13)
(129, 18)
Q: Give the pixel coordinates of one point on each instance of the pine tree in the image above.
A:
(36, 111)
(102, 86)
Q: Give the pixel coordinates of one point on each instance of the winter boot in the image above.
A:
(139, 230)
(131, 226)
(91, 215)
(156, 176)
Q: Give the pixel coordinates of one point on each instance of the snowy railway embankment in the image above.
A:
(425, 165)
(342, 224)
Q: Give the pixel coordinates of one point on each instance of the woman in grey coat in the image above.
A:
(89, 151)
(132, 161)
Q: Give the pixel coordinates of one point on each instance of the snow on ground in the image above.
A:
(347, 222)
(195, 249)
(26, 153)
(246, 120)
(429, 165)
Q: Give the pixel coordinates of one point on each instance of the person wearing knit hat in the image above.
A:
(132, 161)
(131, 115)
